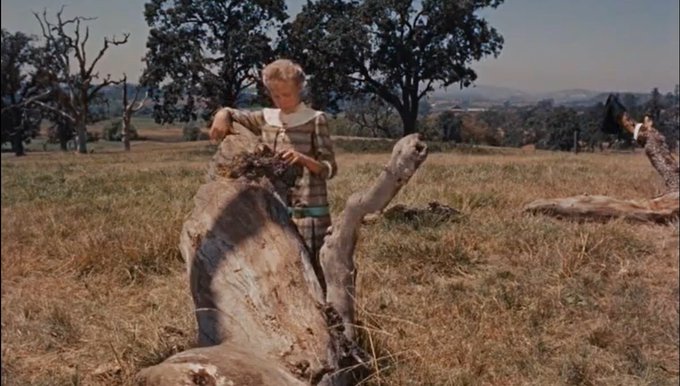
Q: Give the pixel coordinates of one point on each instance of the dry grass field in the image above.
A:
(93, 284)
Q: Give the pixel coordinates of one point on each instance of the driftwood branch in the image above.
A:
(337, 253)
(262, 314)
(663, 209)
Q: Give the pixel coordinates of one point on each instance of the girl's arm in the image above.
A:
(323, 162)
(222, 123)
(324, 148)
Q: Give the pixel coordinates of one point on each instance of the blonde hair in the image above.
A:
(283, 70)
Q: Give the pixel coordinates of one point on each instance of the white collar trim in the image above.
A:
(304, 114)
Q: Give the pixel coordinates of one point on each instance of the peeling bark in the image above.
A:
(263, 318)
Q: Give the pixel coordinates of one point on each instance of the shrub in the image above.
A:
(114, 131)
(192, 132)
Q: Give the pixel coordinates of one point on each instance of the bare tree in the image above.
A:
(73, 84)
(129, 109)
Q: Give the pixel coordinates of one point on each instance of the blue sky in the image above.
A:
(607, 45)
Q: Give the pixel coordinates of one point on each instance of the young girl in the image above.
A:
(300, 135)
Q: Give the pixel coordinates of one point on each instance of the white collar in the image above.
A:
(303, 114)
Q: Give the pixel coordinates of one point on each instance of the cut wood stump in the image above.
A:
(263, 318)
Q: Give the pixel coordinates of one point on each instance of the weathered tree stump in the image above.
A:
(263, 318)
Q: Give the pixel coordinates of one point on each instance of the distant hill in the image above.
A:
(485, 95)
(477, 96)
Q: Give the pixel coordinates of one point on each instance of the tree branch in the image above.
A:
(337, 252)
(77, 49)
(106, 82)
(27, 101)
(55, 110)
(82, 46)
(107, 41)
(427, 89)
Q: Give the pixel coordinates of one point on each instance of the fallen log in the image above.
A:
(263, 317)
(663, 209)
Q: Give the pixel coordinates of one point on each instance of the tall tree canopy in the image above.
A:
(20, 75)
(208, 49)
(399, 50)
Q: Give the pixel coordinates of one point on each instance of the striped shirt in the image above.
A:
(310, 138)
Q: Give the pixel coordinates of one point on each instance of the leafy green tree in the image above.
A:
(673, 118)
(372, 116)
(60, 131)
(450, 125)
(655, 105)
(667, 112)
(561, 124)
(205, 53)
(20, 84)
(632, 104)
(591, 134)
(507, 122)
(535, 121)
(399, 50)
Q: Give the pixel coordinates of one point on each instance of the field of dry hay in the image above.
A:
(93, 286)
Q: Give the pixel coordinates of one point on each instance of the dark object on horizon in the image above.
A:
(613, 110)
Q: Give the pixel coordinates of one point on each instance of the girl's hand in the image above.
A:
(221, 126)
(293, 157)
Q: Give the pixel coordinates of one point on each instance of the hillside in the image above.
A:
(485, 96)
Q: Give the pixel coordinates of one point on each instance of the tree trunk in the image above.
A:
(18, 144)
(575, 146)
(262, 315)
(65, 132)
(63, 143)
(125, 132)
(409, 119)
(128, 109)
(81, 137)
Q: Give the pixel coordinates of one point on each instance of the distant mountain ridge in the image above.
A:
(494, 95)
(477, 96)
